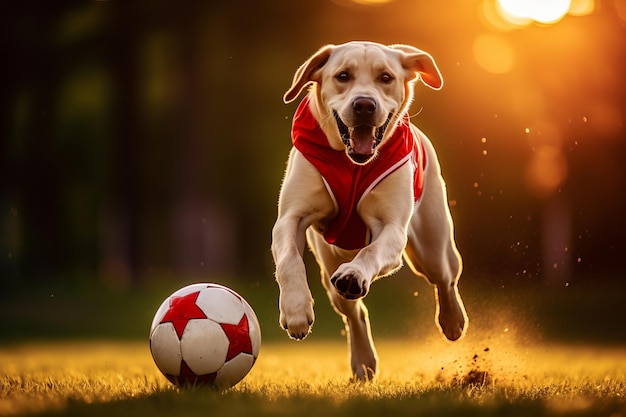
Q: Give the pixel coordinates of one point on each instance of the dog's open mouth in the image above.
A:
(361, 141)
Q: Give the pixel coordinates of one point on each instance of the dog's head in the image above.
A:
(360, 91)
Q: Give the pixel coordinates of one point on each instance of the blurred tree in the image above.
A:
(149, 136)
(32, 168)
(123, 252)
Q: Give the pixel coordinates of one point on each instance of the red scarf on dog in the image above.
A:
(348, 182)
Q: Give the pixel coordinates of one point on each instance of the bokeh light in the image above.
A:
(547, 170)
(494, 53)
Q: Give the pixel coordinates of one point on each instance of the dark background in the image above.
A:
(143, 143)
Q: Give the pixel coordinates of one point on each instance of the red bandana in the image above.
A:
(348, 182)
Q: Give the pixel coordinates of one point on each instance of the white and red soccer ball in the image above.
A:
(205, 334)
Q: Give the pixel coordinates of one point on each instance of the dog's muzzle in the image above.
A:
(361, 141)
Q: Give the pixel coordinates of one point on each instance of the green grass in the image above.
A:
(531, 350)
(428, 378)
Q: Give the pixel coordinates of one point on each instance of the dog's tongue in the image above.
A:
(362, 140)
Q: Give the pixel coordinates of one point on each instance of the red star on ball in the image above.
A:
(239, 338)
(182, 309)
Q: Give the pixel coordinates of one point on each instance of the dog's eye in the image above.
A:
(386, 78)
(343, 76)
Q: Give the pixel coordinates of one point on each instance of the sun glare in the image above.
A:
(510, 14)
(541, 11)
(494, 52)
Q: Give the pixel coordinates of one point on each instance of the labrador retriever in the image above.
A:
(363, 187)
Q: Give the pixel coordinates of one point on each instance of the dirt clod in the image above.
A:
(475, 377)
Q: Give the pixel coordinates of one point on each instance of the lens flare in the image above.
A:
(494, 53)
(541, 11)
(546, 171)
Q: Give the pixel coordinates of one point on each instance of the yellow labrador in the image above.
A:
(363, 186)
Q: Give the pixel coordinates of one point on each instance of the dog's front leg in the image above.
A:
(382, 257)
(386, 210)
(303, 201)
(295, 301)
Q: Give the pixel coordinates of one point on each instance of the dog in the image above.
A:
(363, 187)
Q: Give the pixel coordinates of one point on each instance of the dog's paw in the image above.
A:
(350, 284)
(364, 365)
(452, 318)
(296, 315)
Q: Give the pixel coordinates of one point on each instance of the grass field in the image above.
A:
(70, 351)
(434, 378)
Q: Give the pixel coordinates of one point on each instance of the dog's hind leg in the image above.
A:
(363, 356)
(431, 251)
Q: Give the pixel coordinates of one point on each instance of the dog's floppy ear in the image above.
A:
(307, 73)
(420, 63)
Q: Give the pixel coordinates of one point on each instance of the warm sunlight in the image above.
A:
(494, 53)
(546, 12)
(542, 11)
(371, 2)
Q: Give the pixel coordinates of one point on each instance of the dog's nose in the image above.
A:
(364, 105)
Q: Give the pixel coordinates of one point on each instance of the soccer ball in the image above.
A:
(205, 334)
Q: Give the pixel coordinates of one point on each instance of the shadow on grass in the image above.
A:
(200, 402)
(456, 401)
